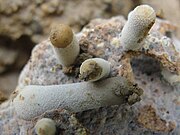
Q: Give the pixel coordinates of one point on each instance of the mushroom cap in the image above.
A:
(143, 12)
(45, 126)
(61, 35)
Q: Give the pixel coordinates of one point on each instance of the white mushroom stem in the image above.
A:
(94, 69)
(140, 21)
(34, 100)
(64, 43)
(67, 56)
(170, 77)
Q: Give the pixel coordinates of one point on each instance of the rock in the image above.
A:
(13, 56)
(158, 111)
(14, 53)
(3, 97)
(35, 18)
(149, 119)
(8, 82)
(5, 60)
(164, 11)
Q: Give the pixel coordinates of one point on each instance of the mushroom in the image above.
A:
(45, 126)
(94, 69)
(140, 21)
(170, 77)
(34, 100)
(65, 44)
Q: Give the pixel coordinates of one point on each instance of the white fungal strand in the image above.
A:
(45, 126)
(94, 69)
(140, 21)
(170, 77)
(34, 100)
(65, 44)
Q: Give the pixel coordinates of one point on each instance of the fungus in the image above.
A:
(140, 21)
(170, 77)
(65, 44)
(45, 126)
(94, 69)
(75, 97)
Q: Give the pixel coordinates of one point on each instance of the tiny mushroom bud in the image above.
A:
(140, 21)
(32, 101)
(45, 126)
(170, 77)
(94, 69)
(65, 44)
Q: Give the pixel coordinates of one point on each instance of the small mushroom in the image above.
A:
(45, 126)
(140, 21)
(171, 78)
(94, 69)
(64, 43)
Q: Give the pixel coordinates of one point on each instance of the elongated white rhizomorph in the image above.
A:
(65, 44)
(140, 21)
(94, 69)
(34, 100)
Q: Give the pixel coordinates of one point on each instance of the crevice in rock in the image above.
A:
(146, 65)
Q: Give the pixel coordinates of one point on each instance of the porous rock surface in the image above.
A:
(34, 18)
(157, 113)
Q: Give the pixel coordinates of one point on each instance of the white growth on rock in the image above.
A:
(34, 100)
(94, 69)
(140, 21)
(170, 77)
(65, 44)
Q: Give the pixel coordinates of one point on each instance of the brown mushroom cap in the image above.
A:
(61, 35)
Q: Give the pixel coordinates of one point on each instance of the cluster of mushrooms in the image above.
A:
(78, 97)
(96, 91)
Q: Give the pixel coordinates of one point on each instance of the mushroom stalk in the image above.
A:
(34, 100)
(140, 21)
(66, 56)
(94, 69)
(65, 44)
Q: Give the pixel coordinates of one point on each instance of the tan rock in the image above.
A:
(170, 9)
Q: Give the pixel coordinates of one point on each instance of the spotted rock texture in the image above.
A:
(157, 113)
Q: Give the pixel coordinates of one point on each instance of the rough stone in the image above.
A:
(5, 60)
(166, 11)
(8, 82)
(3, 97)
(34, 18)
